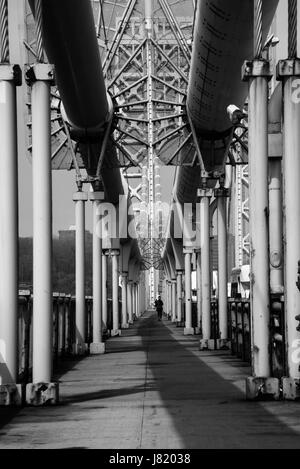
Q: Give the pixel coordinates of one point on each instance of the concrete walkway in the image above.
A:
(153, 389)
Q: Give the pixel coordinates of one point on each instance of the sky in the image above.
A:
(63, 181)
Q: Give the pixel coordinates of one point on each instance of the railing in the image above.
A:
(64, 328)
(240, 332)
(239, 328)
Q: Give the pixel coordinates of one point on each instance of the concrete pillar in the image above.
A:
(97, 346)
(169, 299)
(115, 292)
(179, 296)
(80, 347)
(188, 330)
(173, 289)
(166, 297)
(129, 302)
(275, 226)
(198, 281)
(221, 195)
(104, 291)
(125, 324)
(138, 299)
(62, 323)
(41, 76)
(134, 300)
(9, 237)
(205, 267)
(257, 74)
(289, 72)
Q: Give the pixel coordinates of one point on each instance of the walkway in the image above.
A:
(153, 389)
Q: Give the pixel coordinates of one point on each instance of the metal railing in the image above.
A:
(64, 328)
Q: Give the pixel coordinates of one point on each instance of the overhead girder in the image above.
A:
(223, 40)
(171, 259)
(134, 268)
(178, 253)
(70, 41)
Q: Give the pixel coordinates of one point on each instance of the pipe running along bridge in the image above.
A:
(116, 92)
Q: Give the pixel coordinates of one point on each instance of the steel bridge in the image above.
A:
(115, 91)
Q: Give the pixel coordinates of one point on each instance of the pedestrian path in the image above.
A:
(153, 389)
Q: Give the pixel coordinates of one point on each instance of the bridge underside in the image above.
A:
(122, 94)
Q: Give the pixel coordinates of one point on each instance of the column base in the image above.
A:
(80, 349)
(130, 321)
(125, 326)
(115, 332)
(174, 320)
(224, 344)
(97, 348)
(262, 389)
(42, 394)
(290, 389)
(11, 394)
(197, 330)
(206, 344)
(188, 331)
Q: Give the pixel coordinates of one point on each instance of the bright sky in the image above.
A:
(63, 182)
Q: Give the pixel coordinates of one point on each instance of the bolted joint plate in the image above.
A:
(11, 394)
(11, 73)
(288, 68)
(222, 192)
(77, 196)
(41, 394)
(256, 68)
(39, 72)
(205, 192)
(95, 196)
(262, 389)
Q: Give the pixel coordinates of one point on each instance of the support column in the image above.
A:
(10, 393)
(80, 347)
(125, 324)
(115, 292)
(188, 330)
(257, 73)
(139, 298)
(289, 72)
(136, 293)
(104, 291)
(221, 195)
(97, 347)
(198, 282)
(275, 226)
(129, 302)
(205, 342)
(134, 300)
(173, 287)
(61, 323)
(179, 296)
(169, 299)
(41, 390)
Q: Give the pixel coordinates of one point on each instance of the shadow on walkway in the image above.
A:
(207, 410)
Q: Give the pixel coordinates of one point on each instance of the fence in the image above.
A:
(64, 328)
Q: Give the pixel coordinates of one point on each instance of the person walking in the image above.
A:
(159, 307)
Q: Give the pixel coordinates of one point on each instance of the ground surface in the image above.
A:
(153, 389)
